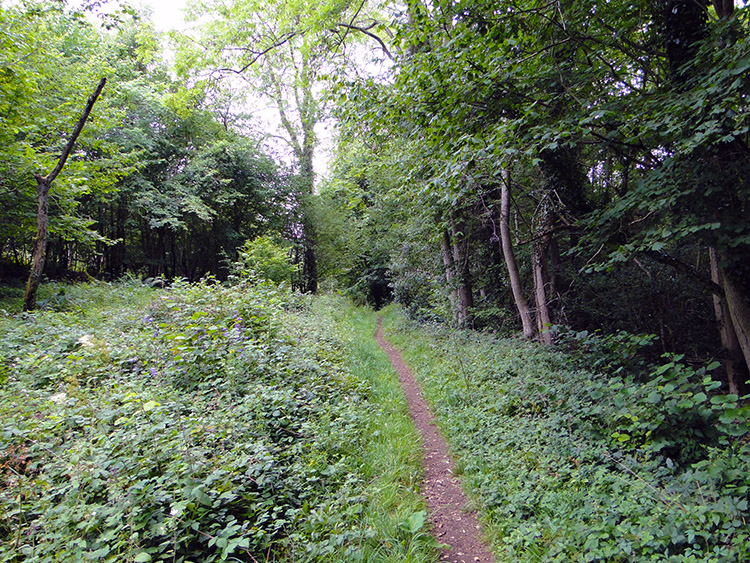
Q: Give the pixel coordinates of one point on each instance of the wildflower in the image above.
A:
(58, 398)
(86, 341)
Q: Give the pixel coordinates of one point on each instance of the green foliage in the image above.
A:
(623, 127)
(619, 353)
(195, 423)
(159, 184)
(352, 235)
(569, 464)
(51, 62)
(265, 258)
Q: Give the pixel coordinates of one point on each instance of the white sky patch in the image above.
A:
(167, 15)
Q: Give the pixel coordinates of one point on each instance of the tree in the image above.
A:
(43, 186)
(50, 54)
(283, 51)
(622, 153)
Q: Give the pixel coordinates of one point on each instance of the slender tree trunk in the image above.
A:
(737, 372)
(40, 244)
(461, 261)
(543, 319)
(42, 217)
(510, 260)
(739, 314)
(445, 251)
(539, 259)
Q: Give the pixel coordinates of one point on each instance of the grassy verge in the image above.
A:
(568, 464)
(391, 458)
(200, 423)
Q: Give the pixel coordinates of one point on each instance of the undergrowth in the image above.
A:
(569, 464)
(198, 423)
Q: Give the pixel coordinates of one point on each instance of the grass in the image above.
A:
(391, 461)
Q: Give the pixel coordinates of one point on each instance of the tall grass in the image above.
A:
(391, 459)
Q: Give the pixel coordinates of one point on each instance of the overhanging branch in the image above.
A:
(366, 31)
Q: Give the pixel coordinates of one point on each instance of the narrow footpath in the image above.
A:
(446, 501)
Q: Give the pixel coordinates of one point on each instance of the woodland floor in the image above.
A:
(452, 523)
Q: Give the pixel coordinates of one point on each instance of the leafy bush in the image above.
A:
(576, 465)
(266, 259)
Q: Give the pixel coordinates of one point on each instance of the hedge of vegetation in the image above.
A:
(625, 463)
(201, 423)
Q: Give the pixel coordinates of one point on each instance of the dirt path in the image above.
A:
(442, 490)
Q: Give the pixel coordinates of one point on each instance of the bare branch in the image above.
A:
(260, 54)
(366, 31)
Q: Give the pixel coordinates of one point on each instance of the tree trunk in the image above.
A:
(40, 244)
(445, 251)
(543, 319)
(734, 363)
(461, 261)
(510, 260)
(42, 216)
(539, 259)
(739, 314)
(724, 8)
(303, 148)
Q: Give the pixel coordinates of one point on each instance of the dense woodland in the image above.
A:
(571, 174)
(504, 166)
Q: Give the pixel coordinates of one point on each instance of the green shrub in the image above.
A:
(194, 423)
(266, 259)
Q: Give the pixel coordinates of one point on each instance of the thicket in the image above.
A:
(588, 454)
(201, 423)
(583, 163)
(167, 178)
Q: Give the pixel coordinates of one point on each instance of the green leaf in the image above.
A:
(142, 557)
(150, 405)
(414, 522)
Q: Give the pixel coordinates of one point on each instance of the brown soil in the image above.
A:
(452, 523)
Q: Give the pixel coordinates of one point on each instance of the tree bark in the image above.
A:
(40, 244)
(461, 261)
(540, 256)
(304, 149)
(510, 260)
(43, 184)
(543, 318)
(450, 273)
(724, 8)
(739, 314)
(734, 363)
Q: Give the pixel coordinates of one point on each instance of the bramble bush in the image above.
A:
(625, 463)
(194, 423)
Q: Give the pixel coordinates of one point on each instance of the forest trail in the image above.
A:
(446, 501)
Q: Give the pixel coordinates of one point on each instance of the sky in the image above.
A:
(167, 13)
